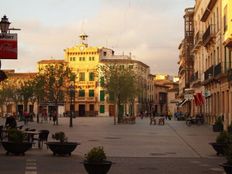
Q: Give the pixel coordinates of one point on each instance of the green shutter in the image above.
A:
(82, 76)
(102, 108)
(81, 93)
(102, 95)
(91, 93)
(91, 76)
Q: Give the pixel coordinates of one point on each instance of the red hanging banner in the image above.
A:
(8, 46)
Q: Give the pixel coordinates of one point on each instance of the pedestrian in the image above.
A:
(44, 115)
(25, 117)
(55, 119)
(10, 121)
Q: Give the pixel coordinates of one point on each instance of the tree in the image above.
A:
(7, 93)
(26, 92)
(51, 83)
(121, 82)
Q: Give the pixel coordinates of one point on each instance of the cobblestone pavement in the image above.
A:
(134, 148)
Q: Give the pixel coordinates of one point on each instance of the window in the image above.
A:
(102, 95)
(81, 93)
(104, 53)
(102, 108)
(82, 76)
(81, 58)
(72, 58)
(91, 58)
(91, 93)
(130, 66)
(121, 66)
(91, 76)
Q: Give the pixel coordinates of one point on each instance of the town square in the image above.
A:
(104, 86)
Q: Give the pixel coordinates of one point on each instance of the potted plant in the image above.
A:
(228, 165)
(218, 125)
(95, 161)
(62, 146)
(16, 144)
(222, 141)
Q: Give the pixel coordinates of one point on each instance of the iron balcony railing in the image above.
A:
(208, 35)
(209, 72)
(217, 69)
(213, 71)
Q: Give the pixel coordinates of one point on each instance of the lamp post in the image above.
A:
(4, 25)
(4, 28)
(72, 102)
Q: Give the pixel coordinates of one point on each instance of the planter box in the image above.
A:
(219, 147)
(217, 128)
(97, 168)
(65, 148)
(16, 148)
(227, 168)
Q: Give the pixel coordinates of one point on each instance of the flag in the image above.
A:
(200, 98)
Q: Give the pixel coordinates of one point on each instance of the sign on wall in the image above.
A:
(8, 46)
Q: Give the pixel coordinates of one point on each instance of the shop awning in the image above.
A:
(182, 102)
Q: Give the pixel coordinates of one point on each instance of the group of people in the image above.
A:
(42, 116)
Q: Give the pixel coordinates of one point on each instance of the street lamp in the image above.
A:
(4, 28)
(72, 102)
(4, 25)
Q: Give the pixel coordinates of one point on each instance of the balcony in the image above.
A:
(209, 35)
(208, 9)
(197, 41)
(217, 70)
(209, 72)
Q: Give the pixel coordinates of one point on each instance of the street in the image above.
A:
(134, 148)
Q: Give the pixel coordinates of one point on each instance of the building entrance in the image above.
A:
(81, 110)
(112, 110)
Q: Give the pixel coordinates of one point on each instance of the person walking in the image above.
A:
(55, 119)
(26, 117)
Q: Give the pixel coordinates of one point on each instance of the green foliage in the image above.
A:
(121, 82)
(96, 154)
(224, 137)
(53, 79)
(15, 136)
(59, 136)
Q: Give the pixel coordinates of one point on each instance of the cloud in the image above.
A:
(151, 30)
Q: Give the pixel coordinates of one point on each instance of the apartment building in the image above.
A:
(186, 61)
(210, 83)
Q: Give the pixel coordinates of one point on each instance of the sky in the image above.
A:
(151, 30)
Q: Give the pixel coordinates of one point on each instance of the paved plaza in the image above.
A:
(134, 148)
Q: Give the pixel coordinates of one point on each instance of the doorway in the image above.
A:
(81, 110)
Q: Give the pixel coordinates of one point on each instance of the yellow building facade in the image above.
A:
(84, 60)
